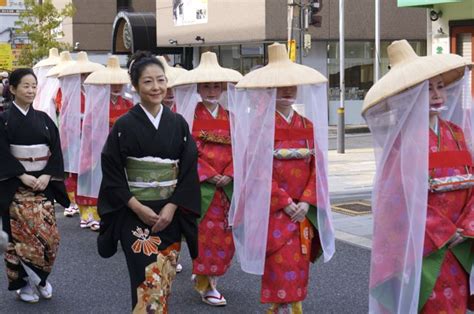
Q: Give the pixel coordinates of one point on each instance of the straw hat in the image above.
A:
(171, 73)
(408, 70)
(52, 59)
(80, 66)
(280, 71)
(64, 60)
(112, 74)
(208, 70)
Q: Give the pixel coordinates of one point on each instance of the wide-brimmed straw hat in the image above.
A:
(408, 70)
(280, 71)
(112, 74)
(64, 60)
(171, 73)
(52, 59)
(80, 66)
(208, 70)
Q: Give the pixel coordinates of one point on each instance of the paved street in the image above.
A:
(86, 283)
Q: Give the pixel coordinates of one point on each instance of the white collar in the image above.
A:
(290, 116)
(24, 112)
(154, 120)
(214, 112)
(435, 127)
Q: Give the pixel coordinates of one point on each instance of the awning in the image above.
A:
(423, 3)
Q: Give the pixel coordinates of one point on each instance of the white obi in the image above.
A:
(32, 157)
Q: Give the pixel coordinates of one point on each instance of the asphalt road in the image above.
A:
(85, 283)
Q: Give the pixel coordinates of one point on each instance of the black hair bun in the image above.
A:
(138, 56)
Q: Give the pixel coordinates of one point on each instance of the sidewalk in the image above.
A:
(350, 178)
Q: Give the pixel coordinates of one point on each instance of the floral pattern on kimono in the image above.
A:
(216, 244)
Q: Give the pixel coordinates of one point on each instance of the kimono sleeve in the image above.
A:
(466, 221)
(279, 198)
(114, 192)
(309, 193)
(439, 229)
(55, 165)
(229, 170)
(9, 167)
(205, 170)
(187, 194)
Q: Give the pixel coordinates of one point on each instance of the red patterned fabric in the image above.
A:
(121, 107)
(285, 277)
(115, 111)
(216, 245)
(447, 212)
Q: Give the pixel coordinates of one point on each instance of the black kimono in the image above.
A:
(133, 135)
(28, 216)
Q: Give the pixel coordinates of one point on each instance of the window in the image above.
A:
(359, 66)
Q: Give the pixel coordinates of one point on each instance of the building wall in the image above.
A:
(438, 32)
(91, 27)
(228, 21)
(144, 6)
(395, 23)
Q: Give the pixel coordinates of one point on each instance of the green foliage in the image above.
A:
(41, 22)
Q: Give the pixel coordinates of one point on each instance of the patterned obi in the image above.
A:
(32, 157)
(293, 153)
(451, 159)
(213, 131)
(152, 178)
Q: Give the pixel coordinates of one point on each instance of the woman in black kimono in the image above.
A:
(31, 178)
(149, 196)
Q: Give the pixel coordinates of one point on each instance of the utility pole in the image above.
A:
(342, 85)
(377, 42)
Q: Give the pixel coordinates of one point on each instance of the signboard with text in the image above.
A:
(190, 12)
(6, 57)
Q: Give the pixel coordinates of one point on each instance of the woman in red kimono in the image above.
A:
(211, 131)
(87, 206)
(172, 74)
(297, 193)
(118, 105)
(435, 259)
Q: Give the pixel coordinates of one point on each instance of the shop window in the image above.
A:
(359, 66)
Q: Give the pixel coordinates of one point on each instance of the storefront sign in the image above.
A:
(423, 3)
(6, 57)
(189, 12)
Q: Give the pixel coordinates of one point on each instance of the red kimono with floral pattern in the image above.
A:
(290, 246)
(447, 212)
(216, 244)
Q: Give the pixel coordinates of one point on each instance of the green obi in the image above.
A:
(150, 178)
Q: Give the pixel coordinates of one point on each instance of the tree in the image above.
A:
(41, 22)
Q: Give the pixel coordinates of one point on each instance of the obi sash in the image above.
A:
(212, 130)
(451, 159)
(293, 153)
(32, 157)
(151, 178)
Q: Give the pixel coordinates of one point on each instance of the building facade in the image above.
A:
(240, 31)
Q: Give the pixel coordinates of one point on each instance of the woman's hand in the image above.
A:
(165, 217)
(42, 182)
(28, 180)
(145, 213)
(301, 212)
(456, 239)
(291, 209)
(214, 179)
(223, 181)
